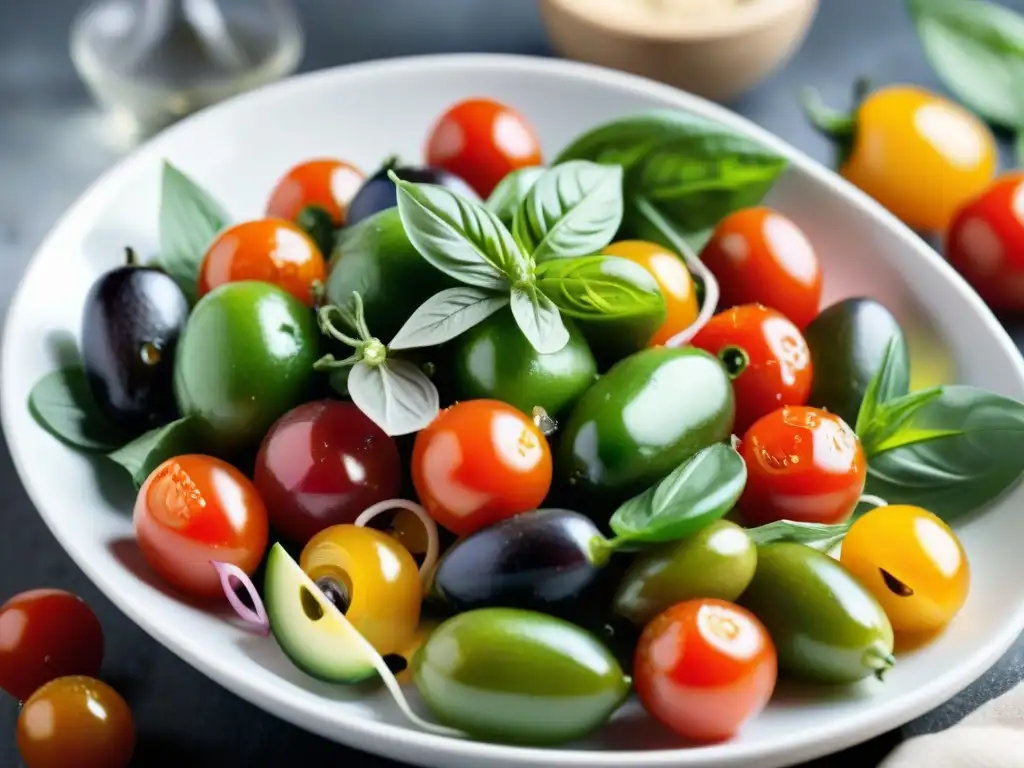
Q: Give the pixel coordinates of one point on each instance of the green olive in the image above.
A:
(717, 561)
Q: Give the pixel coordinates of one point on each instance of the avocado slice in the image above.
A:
(311, 631)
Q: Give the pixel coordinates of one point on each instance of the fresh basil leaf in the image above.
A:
(977, 49)
(956, 452)
(698, 492)
(396, 395)
(891, 417)
(459, 237)
(189, 221)
(539, 319)
(600, 287)
(891, 380)
(819, 535)
(506, 197)
(645, 222)
(62, 404)
(574, 209)
(446, 315)
(146, 452)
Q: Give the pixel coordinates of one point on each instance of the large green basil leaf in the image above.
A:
(891, 381)
(446, 315)
(600, 287)
(62, 404)
(953, 452)
(977, 49)
(819, 535)
(574, 209)
(506, 197)
(539, 319)
(148, 451)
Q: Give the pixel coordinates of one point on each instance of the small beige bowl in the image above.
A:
(717, 54)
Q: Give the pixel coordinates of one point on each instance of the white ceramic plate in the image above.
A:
(363, 113)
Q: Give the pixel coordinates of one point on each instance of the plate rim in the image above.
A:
(401, 742)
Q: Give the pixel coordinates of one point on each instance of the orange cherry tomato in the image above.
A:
(912, 563)
(764, 354)
(76, 721)
(269, 250)
(193, 509)
(479, 462)
(326, 184)
(761, 257)
(985, 243)
(705, 667)
(482, 141)
(673, 279)
(803, 464)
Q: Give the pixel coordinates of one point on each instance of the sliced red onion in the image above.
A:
(231, 577)
(433, 542)
(711, 297)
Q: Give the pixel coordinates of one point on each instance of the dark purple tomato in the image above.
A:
(322, 464)
(378, 193)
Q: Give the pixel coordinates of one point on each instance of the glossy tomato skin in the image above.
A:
(269, 250)
(482, 141)
(948, 155)
(766, 358)
(673, 279)
(704, 667)
(46, 634)
(759, 256)
(479, 462)
(985, 243)
(193, 509)
(321, 464)
(325, 183)
(76, 721)
(912, 563)
(803, 464)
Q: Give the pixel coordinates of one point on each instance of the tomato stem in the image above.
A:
(130, 259)
(601, 550)
(838, 126)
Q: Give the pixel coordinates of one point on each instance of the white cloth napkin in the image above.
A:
(991, 737)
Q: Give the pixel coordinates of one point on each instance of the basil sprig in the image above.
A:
(566, 211)
(688, 171)
(600, 287)
(510, 192)
(977, 49)
(819, 535)
(949, 449)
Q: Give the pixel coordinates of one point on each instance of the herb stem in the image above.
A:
(327, 326)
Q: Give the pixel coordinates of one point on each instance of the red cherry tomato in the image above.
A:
(705, 667)
(269, 250)
(326, 184)
(193, 509)
(803, 464)
(479, 462)
(765, 355)
(761, 257)
(482, 141)
(46, 634)
(322, 464)
(986, 243)
(76, 721)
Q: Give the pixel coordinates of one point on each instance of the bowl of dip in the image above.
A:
(713, 48)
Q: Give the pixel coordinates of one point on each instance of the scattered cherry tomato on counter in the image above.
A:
(270, 250)
(193, 509)
(761, 257)
(673, 279)
(764, 354)
(920, 155)
(482, 141)
(704, 667)
(985, 243)
(912, 563)
(326, 184)
(321, 464)
(479, 462)
(803, 464)
(46, 634)
(76, 721)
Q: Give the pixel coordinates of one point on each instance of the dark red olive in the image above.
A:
(131, 321)
(378, 192)
(538, 560)
(322, 464)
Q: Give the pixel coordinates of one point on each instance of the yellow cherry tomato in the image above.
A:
(917, 153)
(673, 279)
(372, 578)
(912, 563)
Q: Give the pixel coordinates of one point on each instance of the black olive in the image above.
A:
(378, 192)
(132, 318)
